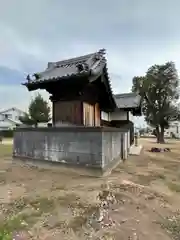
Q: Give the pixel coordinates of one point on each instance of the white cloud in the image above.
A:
(122, 68)
(136, 36)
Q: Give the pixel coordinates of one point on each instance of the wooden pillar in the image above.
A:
(97, 115)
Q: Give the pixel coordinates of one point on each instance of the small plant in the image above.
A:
(5, 235)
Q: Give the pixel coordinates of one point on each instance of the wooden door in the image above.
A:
(88, 114)
(97, 115)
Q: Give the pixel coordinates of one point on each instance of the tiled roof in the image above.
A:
(127, 100)
(90, 65)
(11, 109)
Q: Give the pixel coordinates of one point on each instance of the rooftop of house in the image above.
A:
(11, 109)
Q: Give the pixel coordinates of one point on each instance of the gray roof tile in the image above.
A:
(127, 100)
(92, 63)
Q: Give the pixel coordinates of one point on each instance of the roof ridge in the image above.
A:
(125, 94)
(76, 59)
(71, 60)
(6, 110)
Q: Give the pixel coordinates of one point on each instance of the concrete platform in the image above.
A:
(67, 168)
(135, 150)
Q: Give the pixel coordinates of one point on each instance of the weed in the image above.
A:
(147, 179)
(174, 187)
(172, 226)
(79, 221)
(5, 235)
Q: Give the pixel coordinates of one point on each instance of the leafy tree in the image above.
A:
(142, 131)
(159, 92)
(38, 112)
(26, 119)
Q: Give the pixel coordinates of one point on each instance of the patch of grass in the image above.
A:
(144, 180)
(172, 226)
(71, 200)
(5, 150)
(174, 187)
(171, 166)
(4, 235)
(2, 177)
(58, 187)
(80, 220)
(160, 176)
(36, 207)
(12, 224)
(16, 223)
(15, 206)
(43, 204)
(120, 196)
(147, 179)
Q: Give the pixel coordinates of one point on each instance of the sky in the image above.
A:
(135, 33)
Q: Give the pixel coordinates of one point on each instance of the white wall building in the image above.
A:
(173, 130)
(9, 118)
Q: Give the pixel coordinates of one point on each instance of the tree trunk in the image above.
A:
(157, 134)
(161, 135)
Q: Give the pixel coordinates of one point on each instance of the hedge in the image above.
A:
(7, 133)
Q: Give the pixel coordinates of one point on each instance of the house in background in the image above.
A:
(173, 130)
(9, 118)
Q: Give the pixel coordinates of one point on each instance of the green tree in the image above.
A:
(142, 131)
(159, 92)
(38, 112)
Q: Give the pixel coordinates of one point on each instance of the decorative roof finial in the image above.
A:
(37, 76)
(80, 67)
(102, 51)
(28, 78)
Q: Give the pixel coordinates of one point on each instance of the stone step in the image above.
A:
(135, 150)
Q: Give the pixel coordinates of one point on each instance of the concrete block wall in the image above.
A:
(94, 147)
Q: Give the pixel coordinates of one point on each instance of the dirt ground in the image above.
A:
(139, 200)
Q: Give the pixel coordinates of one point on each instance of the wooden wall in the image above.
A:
(76, 112)
(91, 114)
(68, 111)
(97, 115)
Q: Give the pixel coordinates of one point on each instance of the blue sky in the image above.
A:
(136, 34)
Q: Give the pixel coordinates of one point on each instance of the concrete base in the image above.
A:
(135, 150)
(67, 168)
(58, 167)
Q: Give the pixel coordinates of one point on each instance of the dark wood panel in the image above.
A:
(68, 111)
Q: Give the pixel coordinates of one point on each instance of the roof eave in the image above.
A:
(30, 87)
(135, 110)
(34, 85)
